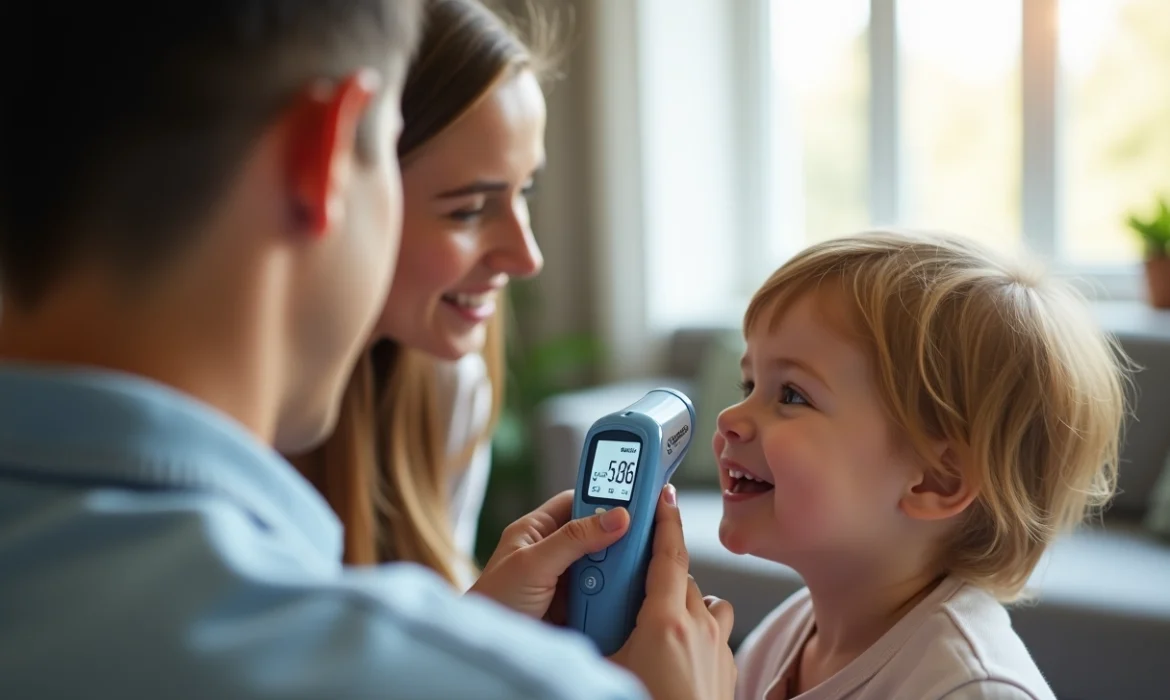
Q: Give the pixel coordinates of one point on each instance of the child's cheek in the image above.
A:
(803, 489)
(805, 499)
(791, 463)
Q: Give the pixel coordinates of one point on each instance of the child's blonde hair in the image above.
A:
(1002, 363)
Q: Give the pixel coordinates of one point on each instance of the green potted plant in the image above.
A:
(1154, 232)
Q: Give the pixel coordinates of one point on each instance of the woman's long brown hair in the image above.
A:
(385, 469)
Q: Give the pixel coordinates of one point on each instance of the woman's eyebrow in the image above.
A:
(477, 187)
(483, 186)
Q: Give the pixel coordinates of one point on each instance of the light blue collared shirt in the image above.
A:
(151, 548)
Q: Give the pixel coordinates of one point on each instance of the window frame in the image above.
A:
(635, 48)
(1041, 196)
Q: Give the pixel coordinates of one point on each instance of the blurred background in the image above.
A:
(693, 145)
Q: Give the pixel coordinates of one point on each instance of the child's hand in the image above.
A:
(679, 646)
(538, 548)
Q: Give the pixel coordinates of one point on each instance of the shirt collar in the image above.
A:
(91, 425)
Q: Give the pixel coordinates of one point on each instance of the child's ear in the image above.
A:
(941, 490)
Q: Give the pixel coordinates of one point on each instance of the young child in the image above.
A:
(920, 420)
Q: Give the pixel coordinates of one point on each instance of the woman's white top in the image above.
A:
(465, 394)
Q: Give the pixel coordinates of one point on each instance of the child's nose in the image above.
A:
(734, 425)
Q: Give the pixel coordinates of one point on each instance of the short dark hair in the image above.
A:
(125, 121)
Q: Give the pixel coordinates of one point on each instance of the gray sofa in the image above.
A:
(1100, 625)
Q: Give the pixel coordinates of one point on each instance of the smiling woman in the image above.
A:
(408, 466)
(467, 221)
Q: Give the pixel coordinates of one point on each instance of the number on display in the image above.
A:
(621, 472)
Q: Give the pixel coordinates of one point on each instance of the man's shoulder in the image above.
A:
(184, 595)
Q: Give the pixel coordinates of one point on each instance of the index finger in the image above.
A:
(666, 577)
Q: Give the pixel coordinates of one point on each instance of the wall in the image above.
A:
(562, 214)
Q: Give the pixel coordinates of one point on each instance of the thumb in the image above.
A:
(576, 538)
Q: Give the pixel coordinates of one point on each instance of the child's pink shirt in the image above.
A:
(957, 644)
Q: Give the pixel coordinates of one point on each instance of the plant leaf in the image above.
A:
(1154, 231)
(564, 353)
(510, 441)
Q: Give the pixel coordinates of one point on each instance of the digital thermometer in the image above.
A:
(627, 458)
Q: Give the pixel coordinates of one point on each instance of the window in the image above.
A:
(1115, 61)
(960, 116)
(733, 133)
(820, 57)
(1035, 124)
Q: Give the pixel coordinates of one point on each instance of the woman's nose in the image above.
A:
(514, 248)
(735, 425)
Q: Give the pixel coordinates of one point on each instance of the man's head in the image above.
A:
(157, 146)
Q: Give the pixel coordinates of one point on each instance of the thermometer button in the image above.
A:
(591, 580)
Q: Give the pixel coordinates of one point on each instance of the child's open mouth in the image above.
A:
(744, 483)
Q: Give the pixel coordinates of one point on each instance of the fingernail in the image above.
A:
(612, 519)
(671, 495)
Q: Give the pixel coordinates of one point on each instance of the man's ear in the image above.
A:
(941, 490)
(323, 126)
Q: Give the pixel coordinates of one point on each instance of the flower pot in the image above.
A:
(1158, 281)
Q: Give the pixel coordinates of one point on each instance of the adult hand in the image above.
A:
(536, 550)
(679, 646)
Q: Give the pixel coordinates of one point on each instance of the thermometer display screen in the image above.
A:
(613, 469)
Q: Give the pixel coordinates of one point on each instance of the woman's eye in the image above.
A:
(790, 395)
(465, 216)
(746, 388)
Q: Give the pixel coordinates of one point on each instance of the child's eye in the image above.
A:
(746, 387)
(790, 395)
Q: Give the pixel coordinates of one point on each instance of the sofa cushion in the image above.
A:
(1157, 518)
(1147, 441)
